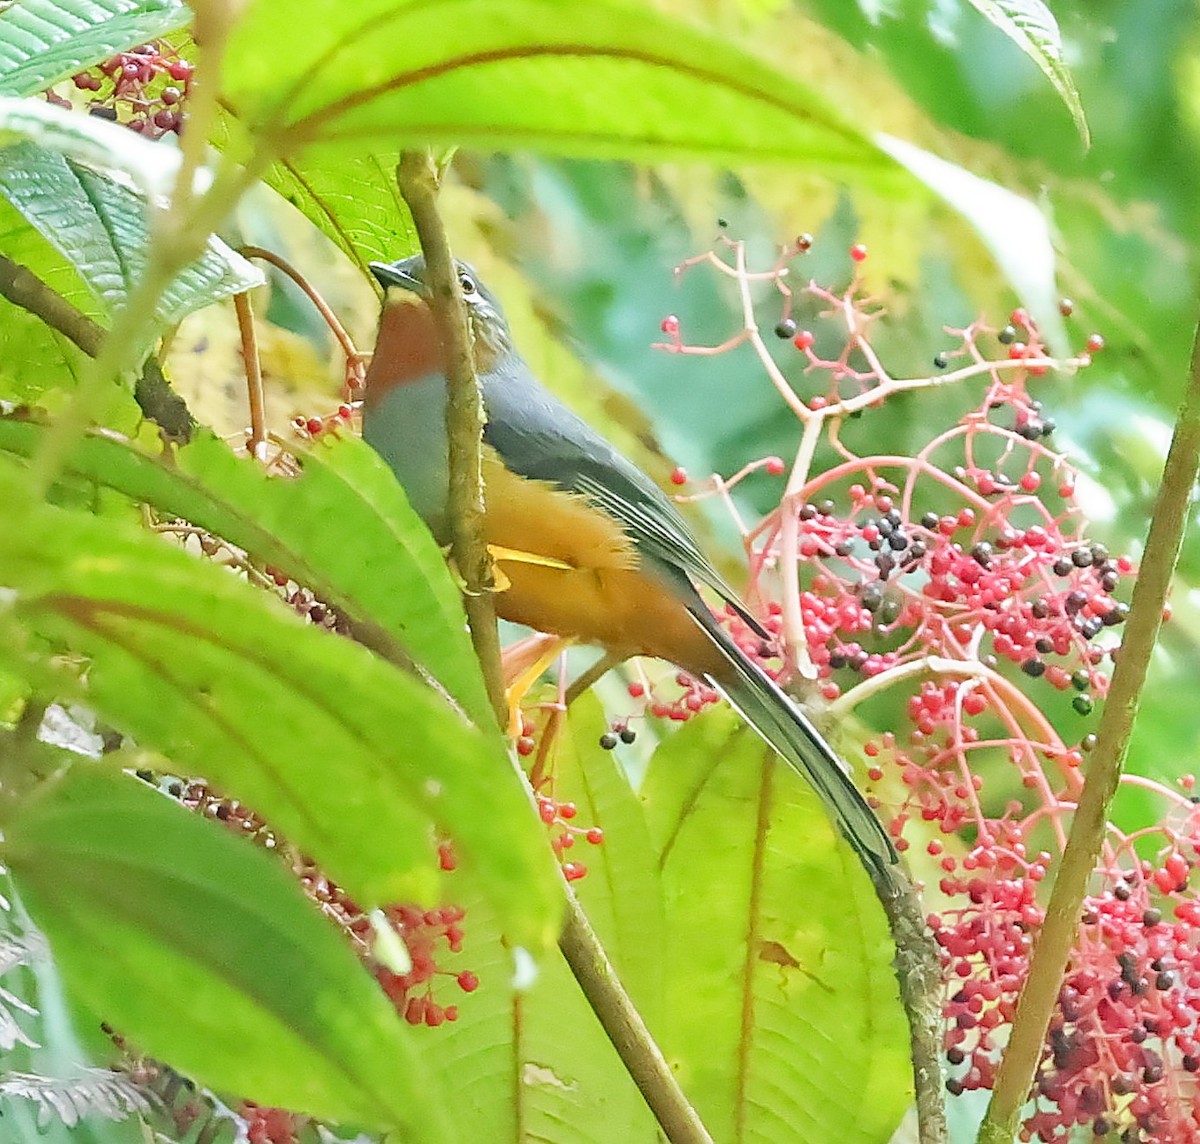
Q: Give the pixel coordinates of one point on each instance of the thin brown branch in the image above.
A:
(592, 675)
(1015, 1077)
(284, 267)
(254, 382)
(25, 289)
(627, 1031)
(416, 178)
(158, 401)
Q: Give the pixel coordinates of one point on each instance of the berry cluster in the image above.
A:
(144, 88)
(423, 931)
(963, 578)
(271, 1125)
(1124, 1043)
(560, 818)
(304, 602)
(312, 427)
(559, 815)
(676, 697)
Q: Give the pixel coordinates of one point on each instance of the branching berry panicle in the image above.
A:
(963, 578)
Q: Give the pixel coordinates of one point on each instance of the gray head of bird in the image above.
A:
(488, 325)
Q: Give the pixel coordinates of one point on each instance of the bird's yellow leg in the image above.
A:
(499, 555)
(529, 666)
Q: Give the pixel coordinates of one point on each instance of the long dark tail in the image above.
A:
(788, 731)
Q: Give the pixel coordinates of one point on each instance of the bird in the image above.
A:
(587, 546)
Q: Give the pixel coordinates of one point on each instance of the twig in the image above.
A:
(25, 289)
(416, 178)
(254, 382)
(627, 1031)
(158, 401)
(1015, 1076)
(284, 267)
(593, 674)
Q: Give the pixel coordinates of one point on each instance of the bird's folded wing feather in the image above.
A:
(538, 437)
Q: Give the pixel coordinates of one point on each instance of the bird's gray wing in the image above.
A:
(538, 437)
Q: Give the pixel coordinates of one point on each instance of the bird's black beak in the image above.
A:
(389, 275)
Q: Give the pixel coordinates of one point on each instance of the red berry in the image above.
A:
(858, 252)
(595, 836)
(775, 466)
(803, 340)
(670, 325)
(1095, 343)
(467, 981)
(314, 425)
(526, 745)
(679, 475)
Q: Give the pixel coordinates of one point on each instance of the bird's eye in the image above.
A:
(467, 283)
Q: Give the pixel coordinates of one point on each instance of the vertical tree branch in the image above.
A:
(416, 177)
(417, 180)
(626, 1030)
(1015, 1076)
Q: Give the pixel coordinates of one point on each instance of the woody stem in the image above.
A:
(416, 177)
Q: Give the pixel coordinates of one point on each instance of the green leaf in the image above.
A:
(539, 1059)
(622, 892)
(781, 1007)
(354, 761)
(89, 140)
(1032, 27)
(43, 40)
(353, 199)
(100, 227)
(203, 951)
(343, 529)
(1013, 229)
(600, 78)
(354, 202)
